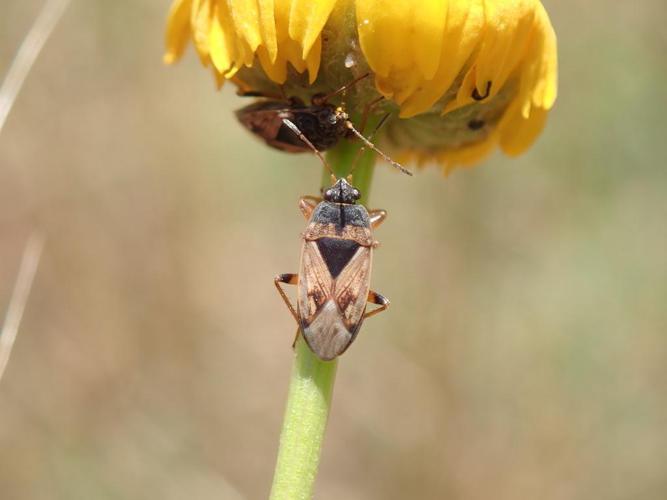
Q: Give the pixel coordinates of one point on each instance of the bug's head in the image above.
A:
(332, 117)
(340, 114)
(342, 192)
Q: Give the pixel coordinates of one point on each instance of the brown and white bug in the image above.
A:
(333, 282)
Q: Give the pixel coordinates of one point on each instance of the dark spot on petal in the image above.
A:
(476, 124)
(476, 95)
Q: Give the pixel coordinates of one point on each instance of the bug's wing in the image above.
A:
(315, 283)
(265, 120)
(351, 288)
(321, 322)
(261, 121)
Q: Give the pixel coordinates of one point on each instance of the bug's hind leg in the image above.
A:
(380, 300)
(307, 204)
(288, 279)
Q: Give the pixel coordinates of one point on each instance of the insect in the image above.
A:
(283, 122)
(333, 283)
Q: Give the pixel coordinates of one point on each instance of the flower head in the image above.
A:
(463, 75)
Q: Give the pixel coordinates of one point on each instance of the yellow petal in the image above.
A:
(464, 94)
(383, 30)
(306, 20)
(200, 22)
(467, 155)
(418, 51)
(462, 31)
(545, 72)
(245, 14)
(508, 26)
(268, 28)
(313, 60)
(178, 30)
(217, 45)
(518, 133)
(428, 27)
(281, 14)
(275, 69)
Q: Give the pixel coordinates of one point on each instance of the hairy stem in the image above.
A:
(312, 381)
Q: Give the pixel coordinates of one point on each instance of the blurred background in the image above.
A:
(524, 355)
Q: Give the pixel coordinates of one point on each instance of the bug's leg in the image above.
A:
(248, 92)
(288, 279)
(376, 298)
(377, 217)
(367, 110)
(290, 125)
(319, 100)
(307, 204)
(244, 90)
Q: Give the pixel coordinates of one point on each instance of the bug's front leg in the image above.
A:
(380, 300)
(307, 204)
(377, 217)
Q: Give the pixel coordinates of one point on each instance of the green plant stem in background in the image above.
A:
(312, 381)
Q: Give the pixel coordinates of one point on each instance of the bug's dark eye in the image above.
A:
(355, 193)
(333, 119)
(329, 193)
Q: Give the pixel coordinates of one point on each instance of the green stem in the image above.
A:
(312, 381)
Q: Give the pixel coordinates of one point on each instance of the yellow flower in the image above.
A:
(464, 75)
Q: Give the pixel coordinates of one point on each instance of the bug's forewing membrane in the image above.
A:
(352, 286)
(323, 322)
(315, 283)
(264, 123)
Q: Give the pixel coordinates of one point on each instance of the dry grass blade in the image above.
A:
(27, 54)
(29, 263)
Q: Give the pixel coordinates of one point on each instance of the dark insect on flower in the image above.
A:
(322, 123)
(290, 125)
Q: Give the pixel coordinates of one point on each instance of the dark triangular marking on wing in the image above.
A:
(336, 253)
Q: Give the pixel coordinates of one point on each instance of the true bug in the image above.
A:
(333, 283)
(283, 122)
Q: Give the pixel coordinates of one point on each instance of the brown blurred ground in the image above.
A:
(525, 353)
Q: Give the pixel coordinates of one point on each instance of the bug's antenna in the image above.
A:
(368, 143)
(323, 99)
(301, 136)
(355, 162)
